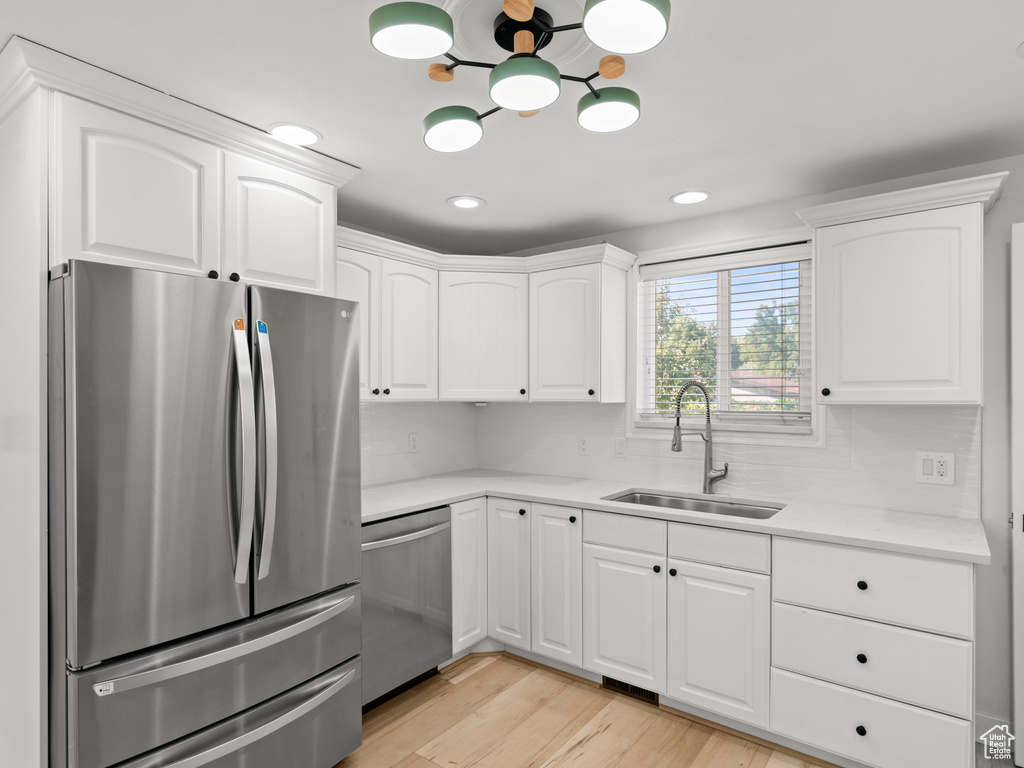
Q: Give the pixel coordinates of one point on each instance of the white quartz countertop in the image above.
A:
(950, 538)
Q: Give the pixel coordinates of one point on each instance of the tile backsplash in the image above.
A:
(868, 458)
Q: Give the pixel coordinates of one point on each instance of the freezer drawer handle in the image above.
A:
(251, 737)
(407, 537)
(154, 676)
(266, 368)
(246, 402)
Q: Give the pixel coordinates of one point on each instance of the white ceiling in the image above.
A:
(751, 100)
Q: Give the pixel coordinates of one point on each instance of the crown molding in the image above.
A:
(774, 239)
(25, 65)
(978, 189)
(377, 245)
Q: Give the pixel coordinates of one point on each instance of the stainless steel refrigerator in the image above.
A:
(204, 523)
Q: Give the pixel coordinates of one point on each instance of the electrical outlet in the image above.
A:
(620, 447)
(414, 442)
(935, 468)
(584, 446)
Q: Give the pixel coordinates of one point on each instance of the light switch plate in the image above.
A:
(935, 468)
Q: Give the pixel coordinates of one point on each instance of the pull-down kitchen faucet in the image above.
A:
(711, 475)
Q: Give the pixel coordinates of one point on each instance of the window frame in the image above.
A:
(728, 428)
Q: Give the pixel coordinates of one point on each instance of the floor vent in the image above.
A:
(628, 689)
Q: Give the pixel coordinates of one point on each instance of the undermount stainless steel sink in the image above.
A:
(754, 510)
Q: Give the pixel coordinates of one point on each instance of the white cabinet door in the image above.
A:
(469, 573)
(624, 615)
(484, 336)
(556, 585)
(408, 345)
(899, 308)
(508, 572)
(129, 192)
(278, 226)
(565, 333)
(357, 278)
(718, 640)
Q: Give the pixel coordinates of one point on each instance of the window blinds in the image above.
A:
(740, 324)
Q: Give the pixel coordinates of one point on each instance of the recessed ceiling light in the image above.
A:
(465, 201)
(689, 198)
(295, 135)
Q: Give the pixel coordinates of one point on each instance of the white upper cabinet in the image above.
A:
(578, 334)
(408, 326)
(357, 278)
(484, 336)
(130, 192)
(398, 325)
(278, 226)
(899, 294)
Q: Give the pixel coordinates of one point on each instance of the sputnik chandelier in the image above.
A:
(524, 82)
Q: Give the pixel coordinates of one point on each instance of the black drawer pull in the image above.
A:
(522, 391)
(376, 391)
(590, 392)
(672, 571)
(826, 392)
(387, 391)
(862, 731)
(522, 511)
(862, 585)
(657, 569)
(572, 519)
(213, 274)
(862, 658)
(233, 277)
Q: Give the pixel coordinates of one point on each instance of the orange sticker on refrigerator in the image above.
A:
(239, 324)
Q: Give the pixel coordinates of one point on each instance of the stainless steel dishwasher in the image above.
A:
(407, 598)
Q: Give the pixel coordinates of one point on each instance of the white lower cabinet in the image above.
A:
(718, 640)
(624, 615)
(469, 573)
(556, 584)
(508, 572)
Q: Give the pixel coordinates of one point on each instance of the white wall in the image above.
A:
(446, 437)
(23, 434)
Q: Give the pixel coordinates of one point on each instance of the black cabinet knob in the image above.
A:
(387, 391)
(572, 519)
(213, 274)
(672, 571)
(522, 511)
(862, 658)
(590, 392)
(657, 569)
(862, 731)
(233, 277)
(522, 391)
(826, 392)
(376, 391)
(862, 585)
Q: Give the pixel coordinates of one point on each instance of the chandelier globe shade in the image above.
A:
(452, 129)
(610, 109)
(524, 83)
(626, 26)
(411, 30)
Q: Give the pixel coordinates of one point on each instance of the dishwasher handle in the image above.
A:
(421, 534)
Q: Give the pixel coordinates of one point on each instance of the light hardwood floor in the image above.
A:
(499, 711)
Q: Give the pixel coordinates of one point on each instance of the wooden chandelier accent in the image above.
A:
(520, 10)
(612, 67)
(440, 73)
(523, 41)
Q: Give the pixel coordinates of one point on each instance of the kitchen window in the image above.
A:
(738, 323)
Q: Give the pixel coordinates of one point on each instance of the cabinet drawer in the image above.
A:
(719, 546)
(915, 667)
(625, 532)
(916, 592)
(895, 735)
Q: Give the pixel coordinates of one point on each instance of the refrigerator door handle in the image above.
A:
(266, 368)
(188, 666)
(250, 737)
(247, 405)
